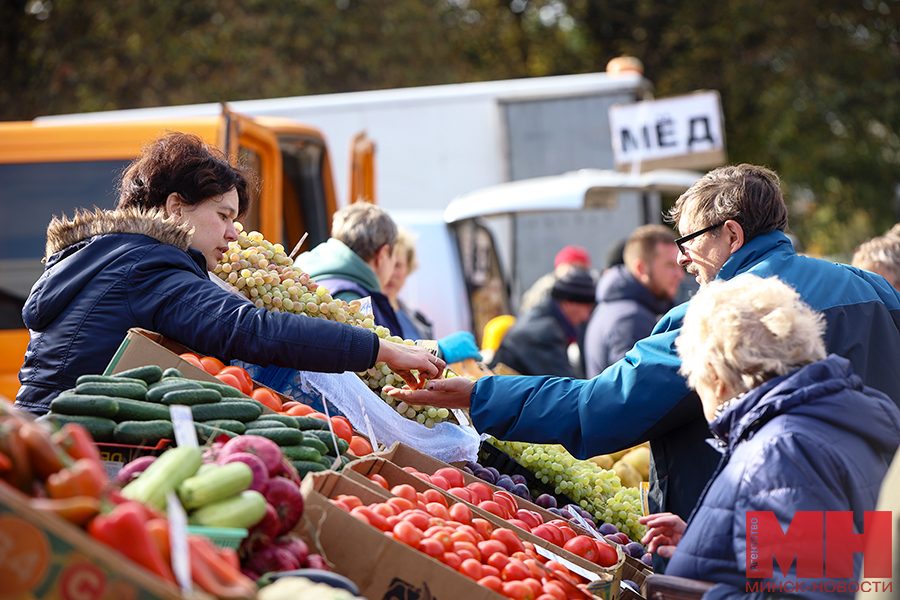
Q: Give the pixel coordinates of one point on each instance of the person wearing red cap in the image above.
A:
(568, 258)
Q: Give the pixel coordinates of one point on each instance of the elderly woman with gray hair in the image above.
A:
(797, 430)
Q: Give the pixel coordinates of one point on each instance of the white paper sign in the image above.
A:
(683, 131)
(183, 424)
(178, 544)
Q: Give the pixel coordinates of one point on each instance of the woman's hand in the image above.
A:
(442, 393)
(403, 359)
(664, 531)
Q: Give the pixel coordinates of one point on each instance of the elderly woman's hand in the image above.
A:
(443, 393)
(664, 531)
(403, 359)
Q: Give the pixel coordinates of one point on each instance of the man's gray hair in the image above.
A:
(364, 228)
(748, 194)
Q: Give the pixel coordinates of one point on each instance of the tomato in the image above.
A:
(466, 548)
(451, 560)
(351, 501)
(435, 496)
(432, 547)
(493, 508)
(529, 516)
(436, 509)
(453, 476)
(461, 513)
(472, 533)
(460, 535)
(242, 375)
(583, 546)
(404, 490)
(438, 481)
(557, 568)
(382, 482)
(341, 505)
(554, 589)
(416, 517)
(535, 568)
(491, 582)
(520, 524)
(407, 533)
(489, 570)
(566, 532)
(480, 491)
(192, 359)
(360, 446)
(517, 590)
(461, 493)
(507, 501)
(535, 585)
(364, 513)
(606, 554)
(384, 509)
(299, 410)
(549, 533)
(342, 428)
(545, 597)
(498, 560)
(483, 527)
(212, 365)
(514, 570)
(317, 415)
(471, 568)
(289, 404)
(229, 380)
(508, 539)
(264, 396)
(489, 547)
(401, 504)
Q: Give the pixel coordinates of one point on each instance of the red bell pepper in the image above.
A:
(125, 530)
(86, 477)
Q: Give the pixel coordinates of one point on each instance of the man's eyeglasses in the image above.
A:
(680, 242)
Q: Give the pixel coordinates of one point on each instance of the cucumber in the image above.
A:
(89, 406)
(326, 461)
(283, 436)
(239, 411)
(106, 379)
(242, 511)
(265, 424)
(123, 389)
(140, 432)
(314, 442)
(311, 424)
(301, 453)
(214, 485)
(325, 438)
(190, 397)
(148, 374)
(284, 419)
(160, 389)
(223, 388)
(305, 466)
(100, 429)
(206, 432)
(139, 410)
(228, 425)
(171, 372)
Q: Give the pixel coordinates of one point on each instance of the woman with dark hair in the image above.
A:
(145, 265)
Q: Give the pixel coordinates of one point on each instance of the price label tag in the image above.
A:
(461, 416)
(589, 575)
(337, 459)
(178, 544)
(183, 424)
(582, 522)
(645, 497)
(369, 430)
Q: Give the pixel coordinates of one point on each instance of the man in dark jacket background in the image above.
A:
(633, 296)
(732, 221)
(538, 343)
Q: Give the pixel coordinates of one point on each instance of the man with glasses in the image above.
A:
(731, 221)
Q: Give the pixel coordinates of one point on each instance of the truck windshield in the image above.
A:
(30, 194)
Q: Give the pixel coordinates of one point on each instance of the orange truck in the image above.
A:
(53, 167)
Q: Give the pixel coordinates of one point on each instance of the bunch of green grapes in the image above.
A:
(597, 490)
(262, 272)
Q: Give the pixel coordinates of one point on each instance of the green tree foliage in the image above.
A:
(809, 87)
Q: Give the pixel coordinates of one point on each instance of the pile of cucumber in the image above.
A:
(132, 407)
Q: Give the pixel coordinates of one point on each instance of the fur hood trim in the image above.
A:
(64, 232)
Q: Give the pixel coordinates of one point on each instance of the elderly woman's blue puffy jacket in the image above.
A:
(109, 271)
(813, 440)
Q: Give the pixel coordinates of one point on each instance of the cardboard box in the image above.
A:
(359, 471)
(141, 347)
(43, 556)
(382, 568)
(405, 456)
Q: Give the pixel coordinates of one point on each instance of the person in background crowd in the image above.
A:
(358, 257)
(880, 255)
(492, 335)
(777, 407)
(413, 324)
(732, 221)
(568, 258)
(538, 343)
(146, 265)
(632, 297)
